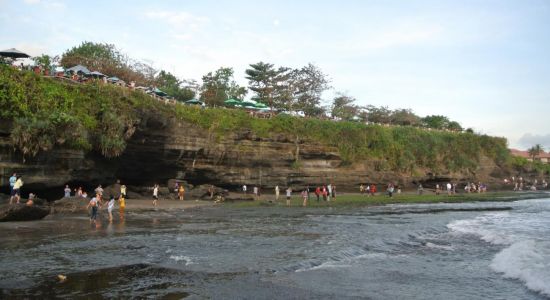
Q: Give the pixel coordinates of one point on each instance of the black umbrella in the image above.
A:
(13, 53)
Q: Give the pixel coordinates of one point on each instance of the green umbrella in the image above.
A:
(247, 104)
(260, 105)
(232, 102)
(193, 101)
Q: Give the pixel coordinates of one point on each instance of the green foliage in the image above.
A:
(47, 113)
(220, 86)
(170, 84)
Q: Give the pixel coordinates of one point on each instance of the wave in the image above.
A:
(527, 254)
(528, 262)
(184, 258)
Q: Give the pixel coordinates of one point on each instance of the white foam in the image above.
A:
(528, 261)
(486, 227)
(178, 258)
(442, 247)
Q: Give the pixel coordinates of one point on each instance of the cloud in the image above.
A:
(529, 139)
(31, 1)
(180, 18)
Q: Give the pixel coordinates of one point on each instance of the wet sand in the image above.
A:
(141, 204)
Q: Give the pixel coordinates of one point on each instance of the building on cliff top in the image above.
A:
(543, 157)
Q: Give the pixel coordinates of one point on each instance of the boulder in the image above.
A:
(70, 205)
(23, 212)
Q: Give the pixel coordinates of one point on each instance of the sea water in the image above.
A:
(498, 250)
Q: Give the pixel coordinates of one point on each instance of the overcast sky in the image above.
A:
(483, 63)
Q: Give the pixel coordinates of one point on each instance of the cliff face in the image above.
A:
(164, 149)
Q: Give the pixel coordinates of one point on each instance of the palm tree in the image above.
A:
(535, 151)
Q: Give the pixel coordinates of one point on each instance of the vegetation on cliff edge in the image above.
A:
(47, 113)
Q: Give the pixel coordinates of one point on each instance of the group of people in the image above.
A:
(520, 184)
(369, 189)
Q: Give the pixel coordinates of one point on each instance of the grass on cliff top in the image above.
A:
(47, 113)
(356, 200)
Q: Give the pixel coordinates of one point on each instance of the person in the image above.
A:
(94, 205)
(155, 194)
(276, 193)
(121, 206)
(449, 188)
(390, 190)
(437, 189)
(288, 195)
(123, 190)
(110, 207)
(17, 189)
(255, 191)
(176, 187)
(211, 191)
(318, 192)
(329, 189)
(373, 189)
(244, 189)
(324, 193)
(333, 192)
(304, 197)
(181, 192)
(99, 191)
(30, 201)
(67, 191)
(13, 179)
(367, 189)
(420, 189)
(78, 192)
(361, 189)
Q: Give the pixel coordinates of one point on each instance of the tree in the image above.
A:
(107, 59)
(170, 84)
(269, 84)
(436, 122)
(343, 107)
(220, 86)
(535, 151)
(45, 61)
(404, 117)
(308, 84)
(381, 115)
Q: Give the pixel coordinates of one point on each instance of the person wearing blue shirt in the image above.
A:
(13, 179)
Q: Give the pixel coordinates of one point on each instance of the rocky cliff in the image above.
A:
(162, 149)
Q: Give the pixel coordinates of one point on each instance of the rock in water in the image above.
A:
(22, 212)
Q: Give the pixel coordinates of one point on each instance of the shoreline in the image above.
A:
(358, 200)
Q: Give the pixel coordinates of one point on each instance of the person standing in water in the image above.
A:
(110, 207)
(94, 205)
(181, 192)
(155, 194)
(121, 206)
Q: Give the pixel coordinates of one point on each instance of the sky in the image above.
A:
(483, 63)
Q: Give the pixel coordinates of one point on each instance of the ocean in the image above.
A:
(489, 250)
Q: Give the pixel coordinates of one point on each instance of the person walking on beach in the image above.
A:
(255, 191)
(276, 193)
(155, 194)
(244, 189)
(181, 192)
(329, 190)
(317, 192)
(110, 207)
(361, 189)
(333, 192)
(304, 197)
(121, 206)
(324, 193)
(94, 205)
(373, 189)
(449, 187)
(288, 195)
(420, 189)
